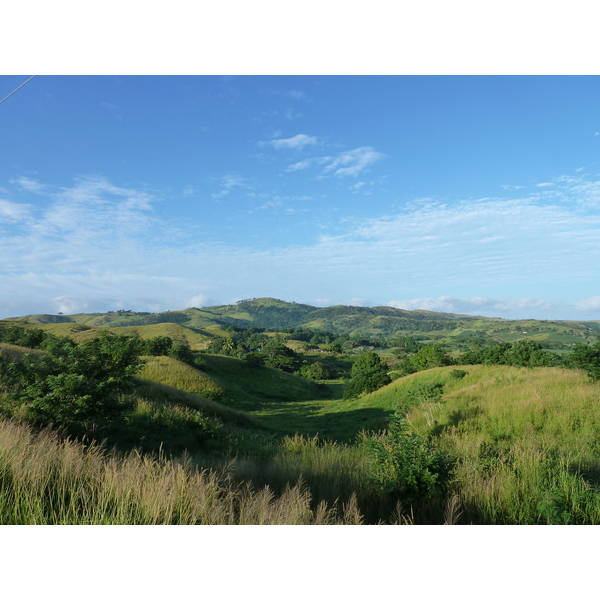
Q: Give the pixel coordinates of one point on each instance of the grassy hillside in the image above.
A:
(525, 443)
(522, 443)
(382, 322)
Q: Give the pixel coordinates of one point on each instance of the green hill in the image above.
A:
(379, 322)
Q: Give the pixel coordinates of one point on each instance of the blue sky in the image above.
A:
(467, 194)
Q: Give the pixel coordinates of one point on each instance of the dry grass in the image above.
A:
(47, 480)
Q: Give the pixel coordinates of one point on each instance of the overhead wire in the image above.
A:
(16, 90)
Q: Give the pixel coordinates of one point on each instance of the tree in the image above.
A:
(253, 359)
(429, 357)
(278, 355)
(181, 352)
(77, 385)
(529, 353)
(368, 374)
(587, 358)
(315, 371)
(159, 345)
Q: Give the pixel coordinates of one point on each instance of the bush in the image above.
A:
(406, 467)
(76, 384)
(457, 374)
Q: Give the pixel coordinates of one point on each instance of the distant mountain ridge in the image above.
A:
(376, 321)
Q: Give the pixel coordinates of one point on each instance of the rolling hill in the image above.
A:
(379, 322)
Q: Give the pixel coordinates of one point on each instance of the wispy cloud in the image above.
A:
(29, 184)
(477, 305)
(296, 95)
(298, 142)
(199, 300)
(353, 162)
(291, 114)
(345, 164)
(228, 184)
(93, 240)
(13, 211)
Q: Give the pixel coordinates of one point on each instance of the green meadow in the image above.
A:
(220, 440)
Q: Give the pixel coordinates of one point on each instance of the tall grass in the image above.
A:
(526, 443)
(48, 480)
(172, 372)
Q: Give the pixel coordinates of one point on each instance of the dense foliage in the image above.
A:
(368, 375)
(405, 466)
(587, 358)
(75, 383)
(523, 353)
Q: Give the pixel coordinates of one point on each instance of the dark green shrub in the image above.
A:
(314, 371)
(457, 374)
(253, 359)
(181, 352)
(406, 467)
(587, 358)
(77, 384)
(368, 374)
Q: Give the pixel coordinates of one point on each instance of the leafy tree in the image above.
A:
(405, 345)
(77, 385)
(181, 352)
(278, 355)
(159, 345)
(253, 359)
(523, 353)
(335, 347)
(529, 353)
(367, 375)
(429, 357)
(587, 358)
(23, 336)
(314, 371)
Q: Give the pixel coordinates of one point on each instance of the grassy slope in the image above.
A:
(383, 321)
(525, 441)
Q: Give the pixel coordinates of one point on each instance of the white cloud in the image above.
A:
(198, 301)
(229, 183)
(70, 305)
(92, 240)
(589, 304)
(320, 302)
(291, 114)
(299, 166)
(479, 305)
(346, 164)
(298, 142)
(29, 184)
(353, 162)
(12, 211)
